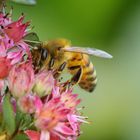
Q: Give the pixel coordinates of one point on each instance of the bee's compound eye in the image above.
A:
(44, 54)
(59, 48)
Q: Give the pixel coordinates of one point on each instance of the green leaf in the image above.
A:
(32, 39)
(18, 118)
(31, 36)
(2, 123)
(26, 122)
(20, 137)
(8, 115)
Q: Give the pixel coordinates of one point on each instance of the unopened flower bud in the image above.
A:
(44, 83)
(20, 80)
(27, 103)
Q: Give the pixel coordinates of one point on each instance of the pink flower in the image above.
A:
(70, 100)
(16, 54)
(44, 135)
(10, 51)
(75, 121)
(67, 98)
(33, 135)
(5, 67)
(20, 80)
(4, 19)
(50, 114)
(3, 48)
(27, 103)
(51, 118)
(11, 44)
(44, 83)
(16, 30)
(57, 117)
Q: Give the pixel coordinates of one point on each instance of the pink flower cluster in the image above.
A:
(56, 117)
(12, 48)
(54, 113)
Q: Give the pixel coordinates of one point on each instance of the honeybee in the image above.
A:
(58, 54)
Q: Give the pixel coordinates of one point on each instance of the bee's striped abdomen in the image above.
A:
(88, 78)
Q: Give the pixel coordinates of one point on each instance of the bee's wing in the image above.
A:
(27, 2)
(90, 51)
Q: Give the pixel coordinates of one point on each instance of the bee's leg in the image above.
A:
(59, 70)
(74, 80)
(51, 63)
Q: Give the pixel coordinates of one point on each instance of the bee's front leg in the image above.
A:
(51, 64)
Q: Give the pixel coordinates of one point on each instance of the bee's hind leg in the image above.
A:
(74, 80)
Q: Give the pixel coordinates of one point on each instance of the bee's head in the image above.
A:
(56, 46)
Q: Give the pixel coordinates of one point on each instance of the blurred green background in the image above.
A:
(111, 25)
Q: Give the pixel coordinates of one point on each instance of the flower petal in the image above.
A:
(62, 128)
(45, 135)
(33, 135)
